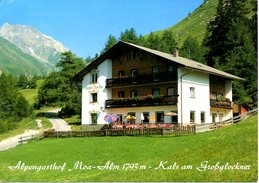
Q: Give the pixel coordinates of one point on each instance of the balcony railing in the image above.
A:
(221, 104)
(142, 79)
(142, 101)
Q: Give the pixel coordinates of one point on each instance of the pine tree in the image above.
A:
(167, 42)
(192, 49)
(254, 24)
(141, 40)
(129, 36)
(152, 41)
(60, 89)
(230, 47)
(13, 106)
(110, 43)
(23, 81)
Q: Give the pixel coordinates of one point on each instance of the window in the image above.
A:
(94, 118)
(132, 114)
(214, 117)
(192, 116)
(159, 117)
(156, 92)
(134, 72)
(170, 91)
(220, 117)
(94, 97)
(133, 93)
(121, 94)
(155, 69)
(121, 73)
(94, 77)
(120, 118)
(130, 55)
(192, 92)
(155, 72)
(214, 95)
(174, 119)
(202, 117)
(171, 68)
(146, 117)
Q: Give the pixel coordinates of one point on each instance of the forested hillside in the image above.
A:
(13, 106)
(220, 33)
(194, 24)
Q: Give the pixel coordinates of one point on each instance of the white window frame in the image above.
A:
(92, 98)
(203, 113)
(221, 116)
(192, 92)
(94, 77)
(194, 117)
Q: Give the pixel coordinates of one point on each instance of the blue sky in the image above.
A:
(83, 26)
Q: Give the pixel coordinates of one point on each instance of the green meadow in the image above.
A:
(131, 159)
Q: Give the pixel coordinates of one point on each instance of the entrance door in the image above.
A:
(94, 118)
(214, 117)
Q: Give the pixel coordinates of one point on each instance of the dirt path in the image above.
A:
(14, 141)
(58, 124)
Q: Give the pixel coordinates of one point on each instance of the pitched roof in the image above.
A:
(187, 63)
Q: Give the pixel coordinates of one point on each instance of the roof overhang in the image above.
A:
(231, 77)
(187, 63)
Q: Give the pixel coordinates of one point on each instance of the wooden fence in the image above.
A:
(121, 132)
(240, 117)
(24, 139)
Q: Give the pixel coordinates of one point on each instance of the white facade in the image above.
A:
(89, 88)
(228, 89)
(151, 110)
(194, 96)
(193, 101)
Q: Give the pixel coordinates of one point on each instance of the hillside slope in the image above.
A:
(14, 61)
(196, 22)
(27, 50)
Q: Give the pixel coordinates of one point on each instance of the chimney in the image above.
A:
(175, 52)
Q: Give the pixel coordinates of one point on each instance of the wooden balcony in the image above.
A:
(142, 101)
(141, 79)
(226, 104)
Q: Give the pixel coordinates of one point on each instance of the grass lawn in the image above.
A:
(31, 94)
(232, 145)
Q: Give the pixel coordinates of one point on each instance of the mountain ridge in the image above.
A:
(31, 47)
(32, 41)
(14, 61)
